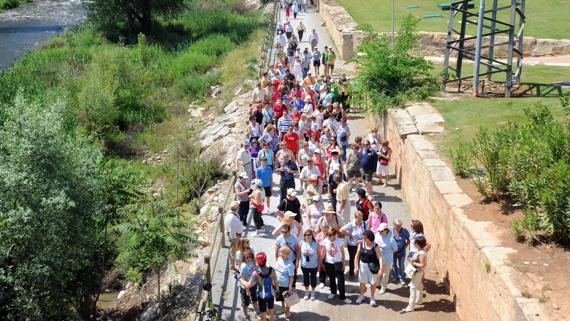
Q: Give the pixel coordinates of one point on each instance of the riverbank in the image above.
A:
(141, 104)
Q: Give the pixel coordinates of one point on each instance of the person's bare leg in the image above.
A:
(362, 288)
(271, 315)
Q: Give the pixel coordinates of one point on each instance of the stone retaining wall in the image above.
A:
(342, 28)
(433, 43)
(465, 252)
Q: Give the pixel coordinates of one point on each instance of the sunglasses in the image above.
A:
(284, 232)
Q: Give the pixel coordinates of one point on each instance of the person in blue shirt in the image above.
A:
(298, 103)
(402, 237)
(310, 258)
(387, 247)
(246, 270)
(368, 164)
(287, 168)
(284, 271)
(265, 174)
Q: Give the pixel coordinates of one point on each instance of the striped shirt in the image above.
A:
(284, 123)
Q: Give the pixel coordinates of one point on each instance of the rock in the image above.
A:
(215, 91)
(120, 295)
(156, 195)
(555, 307)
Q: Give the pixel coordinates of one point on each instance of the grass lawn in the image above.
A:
(530, 74)
(545, 18)
(464, 118)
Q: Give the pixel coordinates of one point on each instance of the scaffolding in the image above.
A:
(483, 48)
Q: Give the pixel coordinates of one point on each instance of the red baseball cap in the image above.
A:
(260, 258)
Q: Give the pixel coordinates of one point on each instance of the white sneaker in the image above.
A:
(322, 285)
(313, 295)
(373, 302)
(331, 296)
(420, 301)
(347, 301)
(360, 299)
(407, 309)
(402, 282)
(306, 295)
(382, 290)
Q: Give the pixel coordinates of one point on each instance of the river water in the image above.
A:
(31, 24)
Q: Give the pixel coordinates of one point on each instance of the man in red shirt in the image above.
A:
(292, 140)
(319, 162)
(278, 109)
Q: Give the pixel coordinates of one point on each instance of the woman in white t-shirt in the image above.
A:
(333, 248)
(419, 262)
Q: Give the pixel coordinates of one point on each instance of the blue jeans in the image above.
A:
(343, 156)
(398, 267)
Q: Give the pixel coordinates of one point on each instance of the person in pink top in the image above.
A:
(377, 217)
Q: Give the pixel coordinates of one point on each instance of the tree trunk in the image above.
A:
(159, 300)
(146, 20)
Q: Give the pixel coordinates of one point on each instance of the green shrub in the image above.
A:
(196, 85)
(389, 77)
(461, 159)
(214, 45)
(527, 164)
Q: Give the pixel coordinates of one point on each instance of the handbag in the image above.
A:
(410, 271)
(374, 267)
(259, 208)
(291, 298)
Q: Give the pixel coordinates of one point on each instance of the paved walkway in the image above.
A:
(436, 306)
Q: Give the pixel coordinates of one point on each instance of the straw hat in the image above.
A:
(289, 214)
(329, 209)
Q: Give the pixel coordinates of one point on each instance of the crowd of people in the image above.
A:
(298, 128)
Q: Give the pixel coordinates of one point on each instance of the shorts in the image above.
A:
(364, 274)
(330, 65)
(279, 294)
(267, 190)
(354, 174)
(367, 176)
(246, 299)
(266, 304)
(316, 63)
(382, 170)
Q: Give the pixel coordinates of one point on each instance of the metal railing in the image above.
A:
(266, 51)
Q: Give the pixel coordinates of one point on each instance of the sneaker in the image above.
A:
(322, 285)
(347, 301)
(420, 301)
(313, 295)
(360, 299)
(402, 282)
(373, 302)
(382, 290)
(407, 309)
(331, 296)
(306, 295)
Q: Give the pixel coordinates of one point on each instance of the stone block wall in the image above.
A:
(342, 28)
(465, 252)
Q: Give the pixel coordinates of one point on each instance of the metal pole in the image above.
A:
(477, 65)
(393, 33)
(492, 39)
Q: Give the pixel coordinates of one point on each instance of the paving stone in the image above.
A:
(458, 199)
(448, 187)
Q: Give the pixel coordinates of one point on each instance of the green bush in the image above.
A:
(214, 45)
(390, 77)
(461, 160)
(527, 164)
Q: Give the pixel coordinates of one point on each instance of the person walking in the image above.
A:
(377, 217)
(354, 231)
(290, 204)
(343, 136)
(287, 168)
(300, 30)
(368, 262)
(333, 248)
(243, 160)
(284, 271)
(248, 296)
(234, 228)
(364, 204)
(402, 237)
(331, 58)
(368, 164)
(256, 207)
(265, 174)
(264, 280)
(388, 246)
(242, 190)
(324, 56)
(343, 200)
(316, 60)
(384, 155)
(419, 262)
(310, 258)
(314, 40)
(353, 166)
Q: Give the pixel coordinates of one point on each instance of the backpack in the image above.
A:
(265, 290)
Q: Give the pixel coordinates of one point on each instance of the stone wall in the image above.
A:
(465, 252)
(342, 28)
(433, 43)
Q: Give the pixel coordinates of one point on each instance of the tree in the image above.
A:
(153, 234)
(390, 76)
(137, 14)
(50, 199)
